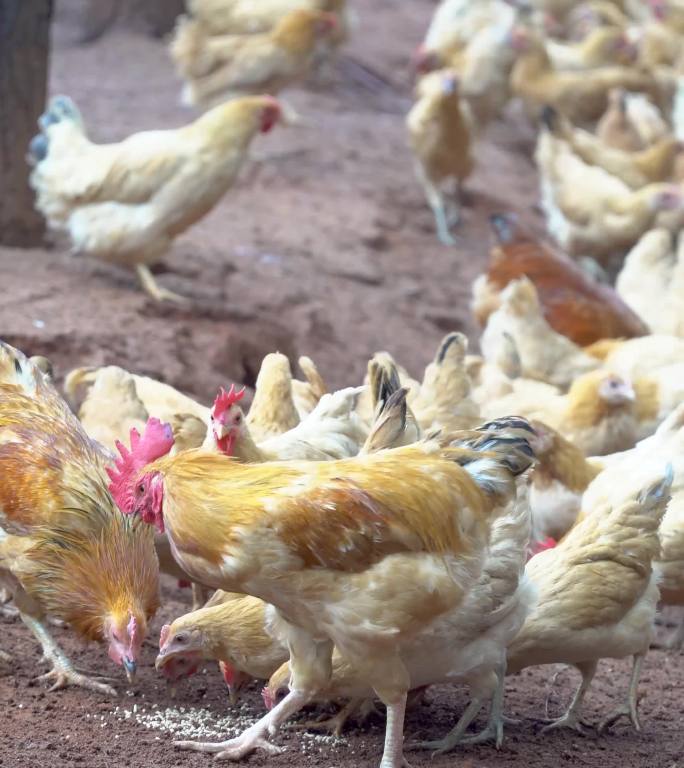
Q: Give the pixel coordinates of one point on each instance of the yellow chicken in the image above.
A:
(580, 96)
(597, 596)
(126, 202)
(440, 137)
(218, 68)
(273, 410)
(599, 414)
(615, 129)
(312, 537)
(231, 629)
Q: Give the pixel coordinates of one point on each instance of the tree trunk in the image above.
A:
(24, 52)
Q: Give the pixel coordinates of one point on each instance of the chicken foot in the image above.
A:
(571, 718)
(62, 673)
(256, 736)
(630, 708)
(153, 289)
(333, 725)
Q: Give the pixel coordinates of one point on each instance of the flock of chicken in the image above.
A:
(373, 541)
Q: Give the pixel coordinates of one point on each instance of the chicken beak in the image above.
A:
(131, 668)
(221, 430)
(233, 694)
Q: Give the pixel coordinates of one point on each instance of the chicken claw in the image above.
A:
(234, 749)
(153, 289)
(569, 720)
(66, 676)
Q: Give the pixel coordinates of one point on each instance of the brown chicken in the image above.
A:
(220, 68)
(65, 549)
(440, 137)
(573, 304)
(407, 528)
(126, 202)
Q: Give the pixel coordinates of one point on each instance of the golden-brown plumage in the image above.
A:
(126, 202)
(65, 549)
(223, 67)
(310, 537)
(573, 304)
(603, 46)
(440, 137)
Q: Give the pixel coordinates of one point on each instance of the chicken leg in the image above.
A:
(62, 672)
(437, 203)
(630, 707)
(153, 289)
(571, 717)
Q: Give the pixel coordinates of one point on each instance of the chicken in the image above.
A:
(544, 354)
(231, 629)
(604, 46)
(333, 430)
(244, 17)
(307, 394)
(572, 303)
(557, 481)
(112, 408)
(670, 13)
(443, 401)
(483, 68)
(589, 212)
(587, 16)
(126, 202)
(311, 538)
(600, 414)
(456, 22)
(219, 68)
(652, 281)
(647, 119)
(391, 410)
(597, 596)
(635, 169)
(580, 96)
(65, 549)
(615, 129)
(440, 137)
(466, 645)
(273, 409)
(188, 432)
(638, 358)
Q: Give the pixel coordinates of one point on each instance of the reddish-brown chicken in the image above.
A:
(573, 304)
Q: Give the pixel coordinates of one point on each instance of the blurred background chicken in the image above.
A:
(126, 202)
(220, 67)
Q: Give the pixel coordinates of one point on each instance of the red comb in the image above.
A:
(156, 441)
(224, 399)
(164, 635)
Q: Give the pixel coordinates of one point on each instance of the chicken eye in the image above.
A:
(211, 416)
(141, 489)
(238, 418)
(181, 638)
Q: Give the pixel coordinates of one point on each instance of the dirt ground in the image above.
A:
(326, 248)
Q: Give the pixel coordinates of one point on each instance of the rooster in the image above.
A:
(65, 549)
(358, 553)
(126, 202)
